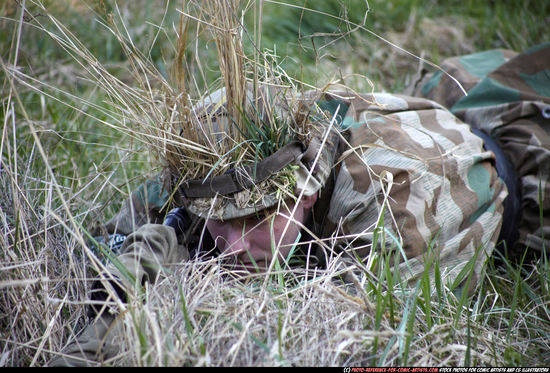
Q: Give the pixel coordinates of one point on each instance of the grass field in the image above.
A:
(70, 158)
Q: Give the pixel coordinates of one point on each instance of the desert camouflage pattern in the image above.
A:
(412, 162)
(509, 99)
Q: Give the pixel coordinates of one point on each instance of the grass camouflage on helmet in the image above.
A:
(265, 180)
(248, 144)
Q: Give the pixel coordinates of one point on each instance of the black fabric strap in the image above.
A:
(512, 203)
(236, 180)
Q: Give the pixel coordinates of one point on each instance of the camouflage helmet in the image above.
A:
(251, 140)
(301, 163)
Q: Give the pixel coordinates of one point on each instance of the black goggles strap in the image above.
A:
(236, 180)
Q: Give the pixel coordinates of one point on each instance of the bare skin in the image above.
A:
(249, 240)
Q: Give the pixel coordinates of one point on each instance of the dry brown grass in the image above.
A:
(201, 315)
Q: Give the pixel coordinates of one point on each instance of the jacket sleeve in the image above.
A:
(509, 100)
(143, 257)
(149, 246)
(146, 253)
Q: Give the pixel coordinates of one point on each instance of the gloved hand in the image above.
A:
(178, 219)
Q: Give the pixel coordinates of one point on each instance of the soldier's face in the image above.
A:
(251, 242)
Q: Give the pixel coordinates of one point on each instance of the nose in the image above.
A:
(237, 241)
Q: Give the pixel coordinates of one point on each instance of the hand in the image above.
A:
(178, 219)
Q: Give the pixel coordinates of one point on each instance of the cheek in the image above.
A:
(219, 232)
(292, 231)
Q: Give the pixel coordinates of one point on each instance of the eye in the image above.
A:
(261, 215)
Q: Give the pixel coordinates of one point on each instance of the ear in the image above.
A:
(309, 201)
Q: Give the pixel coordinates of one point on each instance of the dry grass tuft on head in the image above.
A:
(248, 114)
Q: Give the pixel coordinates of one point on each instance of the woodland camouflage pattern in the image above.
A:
(417, 160)
(508, 98)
